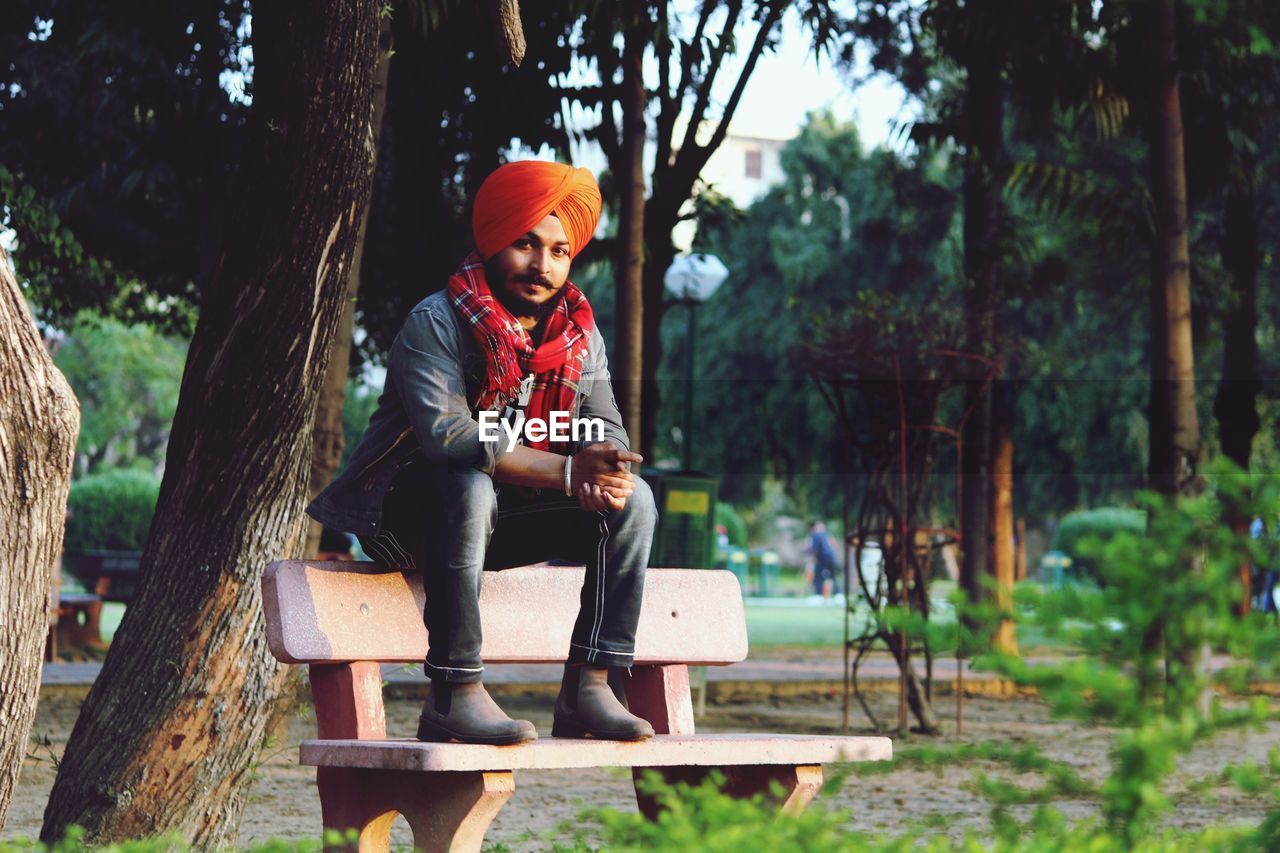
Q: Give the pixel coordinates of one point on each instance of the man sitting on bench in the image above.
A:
(428, 490)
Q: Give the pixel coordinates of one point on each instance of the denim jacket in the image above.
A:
(435, 372)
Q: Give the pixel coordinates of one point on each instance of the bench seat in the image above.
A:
(561, 753)
(345, 619)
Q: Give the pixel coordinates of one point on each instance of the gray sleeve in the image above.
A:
(597, 389)
(425, 366)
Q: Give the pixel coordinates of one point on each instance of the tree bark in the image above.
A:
(677, 166)
(328, 438)
(170, 733)
(39, 421)
(984, 120)
(1002, 551)
(507, 30)
(1175, 430)
(630, 282)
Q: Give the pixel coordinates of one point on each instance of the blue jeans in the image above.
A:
(451, 523)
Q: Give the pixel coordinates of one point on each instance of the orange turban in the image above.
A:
(519, 195)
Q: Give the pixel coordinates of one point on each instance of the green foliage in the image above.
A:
(734, 523)
(358, 405)
(1079, 533)
(700, 818)
(111, 510)
(74, 841)
(1169, 592)
(127, 380)
(845, 222)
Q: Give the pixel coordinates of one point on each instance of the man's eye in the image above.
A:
(562, 251)
(523, 244)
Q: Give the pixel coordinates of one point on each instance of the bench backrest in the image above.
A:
(320, 612)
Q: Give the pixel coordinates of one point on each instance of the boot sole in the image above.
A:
(572, 729)
(429, 732)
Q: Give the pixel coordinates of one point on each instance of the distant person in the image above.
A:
(507, 338)
(822, 551)
(1264, 577)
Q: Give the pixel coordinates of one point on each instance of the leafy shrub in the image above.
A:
(1101, 524)
(1166, 595)
(111, 510)
(734, 523)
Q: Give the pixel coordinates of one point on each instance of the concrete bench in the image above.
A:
(344, 619)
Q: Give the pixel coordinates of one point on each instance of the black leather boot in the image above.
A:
(587, 707)
(467, 713)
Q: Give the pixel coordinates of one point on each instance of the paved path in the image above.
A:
(751, 670)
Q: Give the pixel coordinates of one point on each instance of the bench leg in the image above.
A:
(799, 783)
(446, 811)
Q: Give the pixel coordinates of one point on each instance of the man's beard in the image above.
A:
(517, 304)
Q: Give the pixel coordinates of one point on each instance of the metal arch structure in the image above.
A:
(899, 433)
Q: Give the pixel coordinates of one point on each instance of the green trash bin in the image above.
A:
(686, 502)
(734, 559)
(764, 563)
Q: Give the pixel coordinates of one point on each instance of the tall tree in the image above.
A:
(690, 127)
(117, 118)
(39, 418)
(327, 434)
(508, 36)
(629, 324)
(170, 732)
(1175, 426)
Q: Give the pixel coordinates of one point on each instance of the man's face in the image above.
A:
(530, 272)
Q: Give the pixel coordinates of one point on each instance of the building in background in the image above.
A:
(745, 166)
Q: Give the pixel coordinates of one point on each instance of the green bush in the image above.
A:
(111, 511)
(733, 522)
(1101, 524)
(1140, 635)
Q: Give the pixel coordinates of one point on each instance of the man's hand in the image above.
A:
(601, 477)
(592, 498)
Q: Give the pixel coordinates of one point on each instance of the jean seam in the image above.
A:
(431, 665)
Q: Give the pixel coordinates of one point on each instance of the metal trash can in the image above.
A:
(686, 502)
(764, 563)
(734, 559)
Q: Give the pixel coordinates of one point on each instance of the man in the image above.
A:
(426, 491)
(823, 553)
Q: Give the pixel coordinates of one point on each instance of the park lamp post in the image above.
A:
(690, 281)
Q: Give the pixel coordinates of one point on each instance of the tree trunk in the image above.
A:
(1175, 430)
(984, 118)
(170, 733)
(630, 282)
(661, 252)
(39, 420)
(1002, 551)
(1235, 406)
(508, 32)
(328, 438)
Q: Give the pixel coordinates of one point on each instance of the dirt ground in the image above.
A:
(284, 804)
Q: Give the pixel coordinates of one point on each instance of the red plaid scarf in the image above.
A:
(509, 352)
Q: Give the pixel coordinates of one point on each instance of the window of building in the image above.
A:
(755, 163)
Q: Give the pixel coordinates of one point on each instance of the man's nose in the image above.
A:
(542, 260)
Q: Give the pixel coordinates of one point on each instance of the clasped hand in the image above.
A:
(601, 477)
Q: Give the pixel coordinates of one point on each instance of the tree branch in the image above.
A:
(608, 130)
(662, 46)
(708, 79)
(762, 38)
(508, 32)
